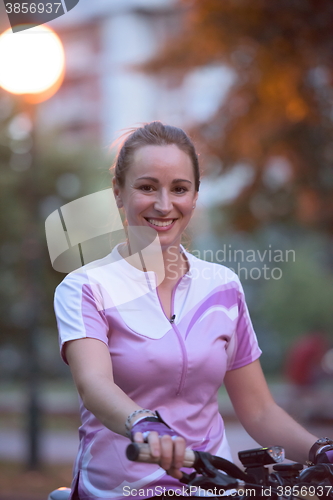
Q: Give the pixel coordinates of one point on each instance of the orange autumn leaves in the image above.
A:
(281, 105)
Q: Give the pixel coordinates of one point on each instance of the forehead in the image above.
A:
(166, 160)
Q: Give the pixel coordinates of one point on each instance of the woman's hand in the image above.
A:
(166, 446)
(170, 450)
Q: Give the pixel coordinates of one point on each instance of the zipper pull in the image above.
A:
(173, 317)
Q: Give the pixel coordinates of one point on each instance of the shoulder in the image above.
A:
(84, 275)
(74, 280)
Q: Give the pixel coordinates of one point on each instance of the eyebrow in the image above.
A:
(157, 181)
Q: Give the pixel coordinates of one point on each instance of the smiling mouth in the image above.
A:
(160, 223)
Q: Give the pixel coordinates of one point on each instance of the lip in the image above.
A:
(161, 228)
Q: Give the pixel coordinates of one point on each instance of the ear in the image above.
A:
(116, 192)
(195, 198)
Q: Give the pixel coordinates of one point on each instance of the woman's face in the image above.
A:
(159, 192)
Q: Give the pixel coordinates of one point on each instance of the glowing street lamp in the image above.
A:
(32, 66)
(31, 63)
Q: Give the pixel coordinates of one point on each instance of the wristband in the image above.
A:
(152, 424)
(318, 448)
(132, 415)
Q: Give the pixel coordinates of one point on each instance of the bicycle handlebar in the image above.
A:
(140, 452)
(213, 471)
(200, 461)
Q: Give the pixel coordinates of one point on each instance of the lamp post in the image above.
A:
(32, 66)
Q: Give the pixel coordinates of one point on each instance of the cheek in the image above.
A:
(136, 203)
(187, 205)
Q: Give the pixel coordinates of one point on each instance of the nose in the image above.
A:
(163, 203)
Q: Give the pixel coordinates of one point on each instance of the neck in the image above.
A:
(175, 263)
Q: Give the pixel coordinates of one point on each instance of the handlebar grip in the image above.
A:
(140, 452)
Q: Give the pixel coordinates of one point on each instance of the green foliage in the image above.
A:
(301, 300)
(28, 195)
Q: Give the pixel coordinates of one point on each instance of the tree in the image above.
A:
(278, 116)
(59, 177)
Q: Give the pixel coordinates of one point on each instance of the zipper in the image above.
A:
(180, 339)
(185, 360)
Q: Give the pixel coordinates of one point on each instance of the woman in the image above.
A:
(140, 339)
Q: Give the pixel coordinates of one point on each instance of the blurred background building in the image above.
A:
(104, 91)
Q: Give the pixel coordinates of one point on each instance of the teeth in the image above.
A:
(160, 223)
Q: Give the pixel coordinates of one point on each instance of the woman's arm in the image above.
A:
(262, 418)
(91, 366)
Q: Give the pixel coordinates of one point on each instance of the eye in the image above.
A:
(180, 189)
(146, 188)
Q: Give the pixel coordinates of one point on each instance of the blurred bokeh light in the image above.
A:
(31, 63)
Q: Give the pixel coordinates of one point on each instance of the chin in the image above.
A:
(167, 244)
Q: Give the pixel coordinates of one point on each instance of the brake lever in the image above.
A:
(210, 475)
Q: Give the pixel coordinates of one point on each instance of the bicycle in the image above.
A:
(286, 481)
(60, 494)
